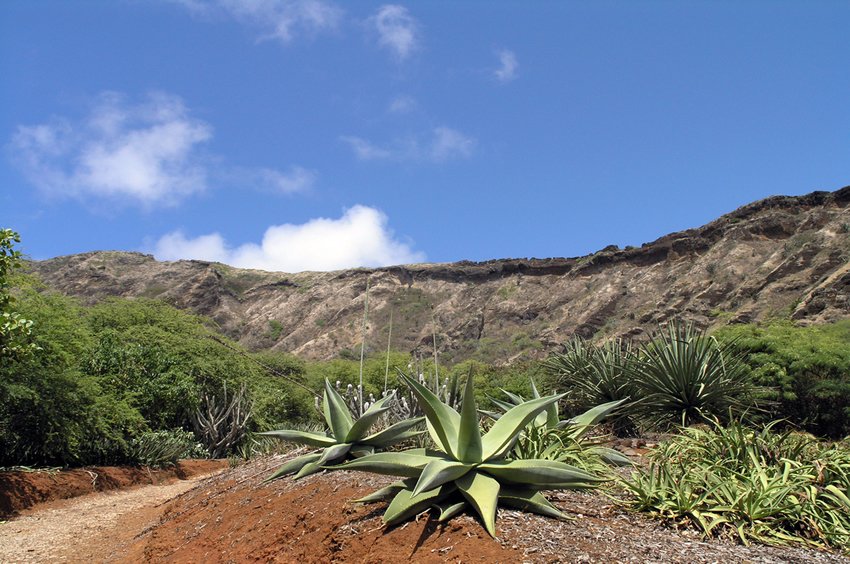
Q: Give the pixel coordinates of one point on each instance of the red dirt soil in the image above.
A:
(21, 490)
(237, 517)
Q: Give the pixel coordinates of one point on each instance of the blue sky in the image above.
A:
(314, 135)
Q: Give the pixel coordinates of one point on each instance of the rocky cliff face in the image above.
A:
(782, 257)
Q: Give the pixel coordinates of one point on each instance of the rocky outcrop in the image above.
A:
(782, 257)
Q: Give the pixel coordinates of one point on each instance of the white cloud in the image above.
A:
(297, 179)
(281, 20)
(509, 64)
(148, 152)
(365, 150)
(449, 143)
(402, 105)
(439, 145)
(360, 237)
(397, 30)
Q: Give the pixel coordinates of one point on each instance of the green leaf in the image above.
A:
(308, 469)
(449, 509)
(539, 474)
(438, 472)
(364, 422)
(581, 423)
(390, 464)
(302, 438)
(393, 434)
(482, 492)
(469, 436)
(386, 492)
(333, 453)
(336, 413)
(529, 500)
(405, 504)
(505, 430)
(294, 465)
(443, 421)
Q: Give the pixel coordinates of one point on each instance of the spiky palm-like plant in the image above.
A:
(346, 438)
(685, 376)
(469, 469)
(595, 375)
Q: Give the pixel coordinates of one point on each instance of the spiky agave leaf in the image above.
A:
(471, 470)
(346, 439)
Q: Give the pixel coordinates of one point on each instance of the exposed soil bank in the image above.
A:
(21, 490)
(237, 517)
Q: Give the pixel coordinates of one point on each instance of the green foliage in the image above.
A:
(596, 375)
(347, 438)
(548, 437)
(681, 376)
(808, 367)
(757, 485)
(51, 411)
(15, 330)
(685, 376)
(166, 447)
(469, 469)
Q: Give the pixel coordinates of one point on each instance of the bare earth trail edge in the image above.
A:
(235, 517)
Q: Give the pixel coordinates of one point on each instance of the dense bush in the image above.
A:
(52, 412)
(808, 367)
(165, 448)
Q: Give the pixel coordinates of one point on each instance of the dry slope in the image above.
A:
(779, 257)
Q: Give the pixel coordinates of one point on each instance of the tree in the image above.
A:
(15, 330)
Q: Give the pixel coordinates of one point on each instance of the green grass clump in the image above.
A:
(165, 448)
(757, 485)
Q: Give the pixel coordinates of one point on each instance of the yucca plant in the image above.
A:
(685, 376)
(595, 375)
(469, 470)
(346, 437)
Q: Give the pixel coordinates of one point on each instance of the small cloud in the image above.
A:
(360, 237)
(297, 179)
(397, 30)
(402, 105)
(281, 20)
(449, 143)
(147, 152)
(440, 145)
(364, 150)
(509, 64)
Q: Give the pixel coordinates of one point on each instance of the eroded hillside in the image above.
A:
(779, 257)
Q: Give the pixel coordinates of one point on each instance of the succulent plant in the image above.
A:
(551, 438)
(469, 469)
(346, 438)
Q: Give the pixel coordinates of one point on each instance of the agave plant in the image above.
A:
(469, 469)
(551, 438)
(346, 438)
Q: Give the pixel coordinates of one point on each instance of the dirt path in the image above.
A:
(97, 527)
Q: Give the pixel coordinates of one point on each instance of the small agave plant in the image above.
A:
(470, 469)
(552, 438)
(346, 439)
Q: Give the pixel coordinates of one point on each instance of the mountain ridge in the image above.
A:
(780, 257)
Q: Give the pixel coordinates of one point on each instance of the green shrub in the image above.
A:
(756, 485)
(807, 367)
(165, 448)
